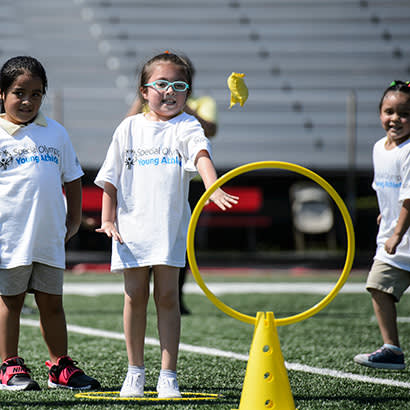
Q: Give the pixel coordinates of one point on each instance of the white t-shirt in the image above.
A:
(392, 185)
(35, 161)
(151, 163)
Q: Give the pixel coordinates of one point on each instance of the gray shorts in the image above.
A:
(30, 278)
(388, 279)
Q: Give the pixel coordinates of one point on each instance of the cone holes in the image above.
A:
(268, 404)
(267, 349)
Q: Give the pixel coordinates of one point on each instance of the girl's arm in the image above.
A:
(73, 195)
(402, 226)
(108, 214)
(208, 174)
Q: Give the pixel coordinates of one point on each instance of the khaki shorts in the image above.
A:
(30, 278)
(388, 279)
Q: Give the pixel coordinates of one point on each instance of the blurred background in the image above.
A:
(315, 69)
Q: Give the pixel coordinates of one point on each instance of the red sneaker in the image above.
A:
(15, 375)
(67, 375)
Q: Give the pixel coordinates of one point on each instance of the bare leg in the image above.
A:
(385, 310)
(10, 309)
(52, 323)
(136, 294)
(181, 281)
(166, 294)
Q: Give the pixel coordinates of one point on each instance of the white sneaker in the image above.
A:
(133, 385)
(167, 388)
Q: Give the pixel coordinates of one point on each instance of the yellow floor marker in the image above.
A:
(149, 396)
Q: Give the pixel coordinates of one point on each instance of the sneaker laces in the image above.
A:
(134, 379)
(19, 368)
(16, 362)
(63, 363)
(169, 383)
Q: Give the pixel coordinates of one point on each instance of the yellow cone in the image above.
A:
(266, 384)
(238, 88)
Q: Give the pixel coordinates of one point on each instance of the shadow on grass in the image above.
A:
(226, 397)
(353, 401)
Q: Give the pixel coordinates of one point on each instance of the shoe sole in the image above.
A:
(29, 387)
(52, 385)
(379, 365)
(131, 395)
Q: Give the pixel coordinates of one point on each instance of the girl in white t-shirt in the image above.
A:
(36, 161)
(389, 276)
(145, 210)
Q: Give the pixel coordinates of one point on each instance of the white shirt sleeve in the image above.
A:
(405, 186)
(111, 168)
(71, 168)
(192, 140)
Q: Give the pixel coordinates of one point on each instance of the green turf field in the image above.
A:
(318, 351)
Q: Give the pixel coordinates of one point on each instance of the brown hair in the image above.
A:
(166, 57)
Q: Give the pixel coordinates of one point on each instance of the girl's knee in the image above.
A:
(12, 303)
(49, 304)
(167, 300)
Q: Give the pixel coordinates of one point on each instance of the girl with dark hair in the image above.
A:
(36, 160)
(389, 276)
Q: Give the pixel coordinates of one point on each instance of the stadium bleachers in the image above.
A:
(302, 61)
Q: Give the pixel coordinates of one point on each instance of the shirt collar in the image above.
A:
(12, 128)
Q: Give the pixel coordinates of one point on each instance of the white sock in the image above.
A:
(136, 369)
(168, 374)
(393, 347)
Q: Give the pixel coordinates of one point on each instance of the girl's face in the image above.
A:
(395, 117)
(166, 104)
(23, 99)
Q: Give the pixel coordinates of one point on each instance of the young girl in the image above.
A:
(146, 211)
(389, 276)
(36, 159)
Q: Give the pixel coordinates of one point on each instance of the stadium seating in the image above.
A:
(302, 60)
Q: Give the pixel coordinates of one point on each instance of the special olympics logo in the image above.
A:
(5, 159)
(130, 158)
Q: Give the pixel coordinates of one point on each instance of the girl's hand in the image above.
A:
(223, 200)
(110, 230)
(70, 232)
(391, 244)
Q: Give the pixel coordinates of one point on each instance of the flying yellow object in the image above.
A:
(239, 90)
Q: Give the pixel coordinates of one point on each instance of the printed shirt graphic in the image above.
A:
(151, 163)
(35, 161)
(392, 185)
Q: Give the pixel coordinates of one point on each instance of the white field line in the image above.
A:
(400, 319)
(230, 355)
(222, 288)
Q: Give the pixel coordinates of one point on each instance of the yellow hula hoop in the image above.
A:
(290, 167)
(150, 396)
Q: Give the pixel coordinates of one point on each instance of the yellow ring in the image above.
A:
(115, 395)
(290, 167)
